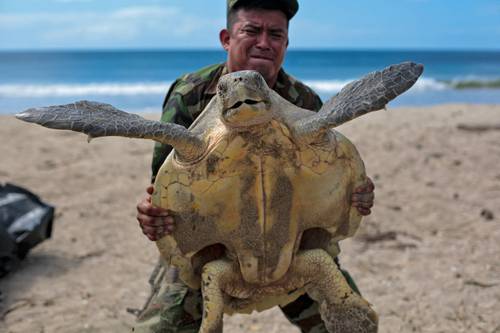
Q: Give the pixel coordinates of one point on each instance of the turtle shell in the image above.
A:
(257, 197)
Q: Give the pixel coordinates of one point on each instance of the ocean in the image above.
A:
(136, 81)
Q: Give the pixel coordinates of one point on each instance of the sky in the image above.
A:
(170, 24)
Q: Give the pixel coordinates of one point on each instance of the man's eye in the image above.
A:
(277, 35)
(251, 31)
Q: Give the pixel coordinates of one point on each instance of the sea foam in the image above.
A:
(326, 87)
(92, 89)
(334, 86)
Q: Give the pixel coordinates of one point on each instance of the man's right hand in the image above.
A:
(155, 222)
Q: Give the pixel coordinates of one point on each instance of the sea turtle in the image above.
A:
(260, 191)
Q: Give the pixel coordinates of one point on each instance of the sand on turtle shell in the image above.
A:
(428, 257)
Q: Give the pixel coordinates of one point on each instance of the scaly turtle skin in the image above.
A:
(260, 190)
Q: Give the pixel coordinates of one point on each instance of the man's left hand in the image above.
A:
(363, 196)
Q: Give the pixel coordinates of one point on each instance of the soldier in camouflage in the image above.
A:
(256, 38)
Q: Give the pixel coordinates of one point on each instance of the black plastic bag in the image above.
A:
(25, 221)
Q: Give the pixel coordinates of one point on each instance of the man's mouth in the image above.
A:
(261, 57)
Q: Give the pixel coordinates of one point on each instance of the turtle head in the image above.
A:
(245, 100)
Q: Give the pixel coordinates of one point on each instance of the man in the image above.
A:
(256, 38)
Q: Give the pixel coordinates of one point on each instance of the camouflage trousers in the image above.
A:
(175, 308)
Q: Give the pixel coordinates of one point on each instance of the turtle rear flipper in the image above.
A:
(98, 119)
(340, 307)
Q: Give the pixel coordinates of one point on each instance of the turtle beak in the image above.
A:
(247, 113)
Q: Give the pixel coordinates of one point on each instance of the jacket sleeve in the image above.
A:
(311, 100)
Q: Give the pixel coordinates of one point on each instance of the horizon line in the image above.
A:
(214, 49)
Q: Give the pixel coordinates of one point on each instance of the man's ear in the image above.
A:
(225, 38)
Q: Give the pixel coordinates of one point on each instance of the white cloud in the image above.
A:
(121, 25)
(144, 12)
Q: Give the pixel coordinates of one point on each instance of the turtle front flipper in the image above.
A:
(99, 119)
(341, 309)
(370, 93)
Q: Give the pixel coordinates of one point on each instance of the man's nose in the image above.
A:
(263, 41)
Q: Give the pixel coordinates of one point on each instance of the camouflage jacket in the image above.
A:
(190, 94)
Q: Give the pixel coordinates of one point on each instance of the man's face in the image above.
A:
(257, 41)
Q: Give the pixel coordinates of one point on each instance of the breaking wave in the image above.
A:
(423, 84)
(160, 88)
(94, 89)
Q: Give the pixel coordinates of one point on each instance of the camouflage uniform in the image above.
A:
(173, 307)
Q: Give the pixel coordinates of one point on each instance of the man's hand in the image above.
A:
(363, 196)
(154, 221)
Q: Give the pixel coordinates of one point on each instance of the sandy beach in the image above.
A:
(427, 258)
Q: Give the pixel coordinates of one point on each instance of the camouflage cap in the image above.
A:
(289, 7)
